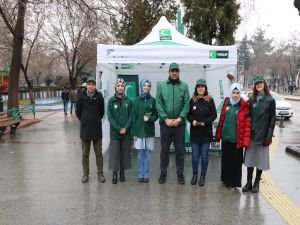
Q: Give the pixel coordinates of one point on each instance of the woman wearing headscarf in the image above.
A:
(262, 109)
(201, 115)
(144, 115)
(119, 116)
(234, 131)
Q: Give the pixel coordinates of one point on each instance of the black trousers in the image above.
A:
(169, 134)
(231, 168)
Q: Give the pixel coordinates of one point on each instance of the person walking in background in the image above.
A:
(73, 99)
(172, 104)
(144, 115)
(90, 110)
(119, 116)
(262, 110)
(201, 115)
(65, 98)
(234, 131)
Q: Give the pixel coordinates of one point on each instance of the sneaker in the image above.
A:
(180, 178)
(85, 179)
(141, 180)
(162, 178)
(101, 178)
(146, 180)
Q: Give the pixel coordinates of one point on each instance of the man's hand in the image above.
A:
(176, 122)
(169, 122)
(122, 131)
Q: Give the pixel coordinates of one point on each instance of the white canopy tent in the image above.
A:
(151, 57)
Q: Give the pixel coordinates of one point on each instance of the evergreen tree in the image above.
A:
(260, 44)
(244, 55)
(228, 20)
(137, 17)
(262, 48)
(209, 20)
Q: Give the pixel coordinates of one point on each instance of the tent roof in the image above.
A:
(164, 44)
(164, 33)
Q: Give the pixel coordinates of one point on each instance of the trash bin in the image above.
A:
(1, 106)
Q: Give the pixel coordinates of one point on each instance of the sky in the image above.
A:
(279, 18)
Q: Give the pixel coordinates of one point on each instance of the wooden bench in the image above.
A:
(6, 121)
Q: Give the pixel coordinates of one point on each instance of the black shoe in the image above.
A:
(255, 187)
(141, 180)
(122, 176)
(146, 180)
(115, 178)
(162, 178)
(202, 180)
(180, 178)
(85, 179)
(194, 179)
(247, 187)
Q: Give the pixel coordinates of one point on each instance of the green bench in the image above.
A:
(13, 117)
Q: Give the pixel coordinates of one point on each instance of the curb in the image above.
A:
(291, 98)
(294, 150)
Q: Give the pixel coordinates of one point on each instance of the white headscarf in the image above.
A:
(233, 87)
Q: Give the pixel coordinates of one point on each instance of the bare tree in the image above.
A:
(73, 31)
(13, 15)
(36, 22)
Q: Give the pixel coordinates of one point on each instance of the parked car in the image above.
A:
(283, 108)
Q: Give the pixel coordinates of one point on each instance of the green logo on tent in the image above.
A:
(213, 54)
(165, 34)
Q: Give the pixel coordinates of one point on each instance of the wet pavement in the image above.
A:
(40, 183)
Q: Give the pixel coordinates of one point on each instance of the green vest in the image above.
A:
(142, 107)
(119, 116)
(229, 125)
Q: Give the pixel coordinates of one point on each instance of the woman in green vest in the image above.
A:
(144, 115)
(119, 116)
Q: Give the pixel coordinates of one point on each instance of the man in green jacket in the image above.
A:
(172, 103)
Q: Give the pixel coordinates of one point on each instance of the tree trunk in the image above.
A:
(16, 60)
(30, 87)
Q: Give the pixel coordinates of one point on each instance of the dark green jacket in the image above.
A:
(141, 107)
(229, 125)
(119, 116)
(172, 101)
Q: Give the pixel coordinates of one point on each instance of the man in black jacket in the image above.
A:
(90, 110)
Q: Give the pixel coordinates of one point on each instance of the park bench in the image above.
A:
(7, 121)
(12, 118)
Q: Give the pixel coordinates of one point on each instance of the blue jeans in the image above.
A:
(197, 151)
(66, 106)
(73, 104)
(143, 163)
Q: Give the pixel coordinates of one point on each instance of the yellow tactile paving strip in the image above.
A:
(287, 209)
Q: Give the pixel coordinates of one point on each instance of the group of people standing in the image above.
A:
(248, 125)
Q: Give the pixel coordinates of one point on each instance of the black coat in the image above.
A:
(203, 110)
(90, 112)
(263, 122)
(65, 95)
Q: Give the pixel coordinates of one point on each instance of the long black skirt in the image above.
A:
(231, 168)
